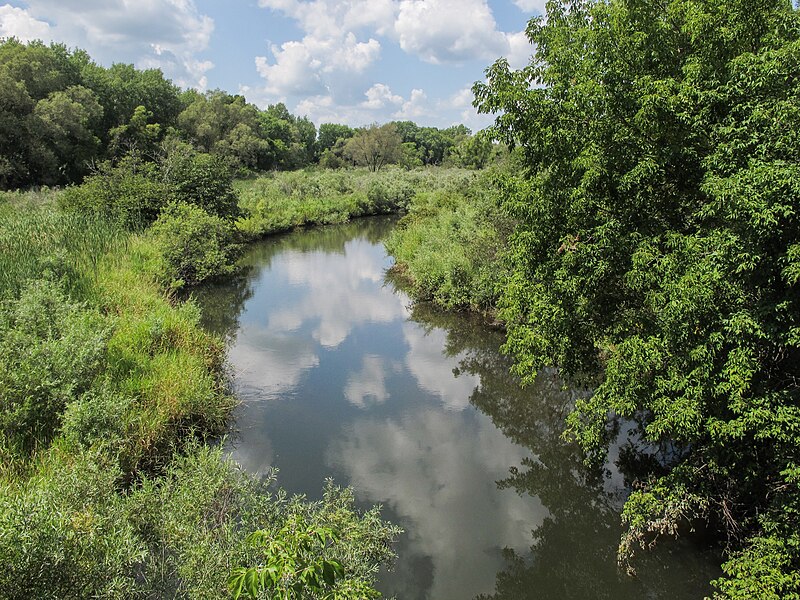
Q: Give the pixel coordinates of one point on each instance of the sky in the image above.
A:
(334, 61)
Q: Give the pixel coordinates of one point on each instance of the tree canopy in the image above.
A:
(658, 249)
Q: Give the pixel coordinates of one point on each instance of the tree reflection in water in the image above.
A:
(573, 552)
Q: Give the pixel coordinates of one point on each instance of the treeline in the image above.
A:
(62, 114)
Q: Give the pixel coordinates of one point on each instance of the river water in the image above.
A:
(339, 376)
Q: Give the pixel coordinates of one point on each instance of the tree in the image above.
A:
(330, 133)
(658, 247)
(375, 146)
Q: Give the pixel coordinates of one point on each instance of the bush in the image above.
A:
(200, 179)
(64, 534)
(447, 248)
(98, 418)
(51, 350)
(194, 245)
(134, 192)
(130, 192)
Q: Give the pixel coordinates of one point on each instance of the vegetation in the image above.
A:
(62, 116)
(109, 389)
(283, 201)
(653, 251)
(448, 244)
(656, 242)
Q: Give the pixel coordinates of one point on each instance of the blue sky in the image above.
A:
(341, 61)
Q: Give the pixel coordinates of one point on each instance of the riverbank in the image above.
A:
(113, 396)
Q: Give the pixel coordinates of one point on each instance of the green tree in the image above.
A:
(657, 246)
(66, 122)
(330, 133)
(375, 146)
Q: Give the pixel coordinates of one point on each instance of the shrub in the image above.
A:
(64, 533)
(194, 246)
(96, 418)
(130, 192)
(51, 350)
(201, 179)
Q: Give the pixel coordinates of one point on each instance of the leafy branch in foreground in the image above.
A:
(323, 550)
(295, 561)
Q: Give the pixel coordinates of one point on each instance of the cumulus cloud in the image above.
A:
(330, 54)
(15, 22)
(322, 18)
(381, 104)
(167, 34)
(531, 6)
(379, 95)
(309, 66)
(519, 49)
(447, 31)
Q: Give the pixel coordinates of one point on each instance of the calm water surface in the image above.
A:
(415, 409)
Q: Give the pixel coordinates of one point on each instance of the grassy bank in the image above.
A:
(448, 246)
(109, 391)
(282, 201)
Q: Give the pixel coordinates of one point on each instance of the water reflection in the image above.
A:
(417, 411)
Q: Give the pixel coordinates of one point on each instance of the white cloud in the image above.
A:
(448, 31)
(416, 106)
(330, 54)
(15, 22)
(333, 18)
(531, 6)
(381, 105)
(166, 34)
(519, 49)
(379, 95)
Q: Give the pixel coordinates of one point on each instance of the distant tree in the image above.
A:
(472, 152)
(375, 146)
(137, 135)
(329, 133)
(66, 122)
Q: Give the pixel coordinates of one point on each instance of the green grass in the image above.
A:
(448, 247)
(283, 201)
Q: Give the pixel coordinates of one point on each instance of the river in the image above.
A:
(340, 376)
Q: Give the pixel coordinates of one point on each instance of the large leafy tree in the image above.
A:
(658, 247)
(375, 146)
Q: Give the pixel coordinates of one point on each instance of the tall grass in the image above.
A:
(282, 201)
(39, 239)
(448, 247)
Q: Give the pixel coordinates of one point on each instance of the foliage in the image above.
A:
(64, 533)
(200, 179)
(286, 200)
(129, 192)
(324, 548)
(50, 352)
(133, 192)
(656, 243)
(194, 246)
(374, 147)
(330, 133)
(447, 247)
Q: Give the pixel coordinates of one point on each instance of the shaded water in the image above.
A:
(415, 409)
